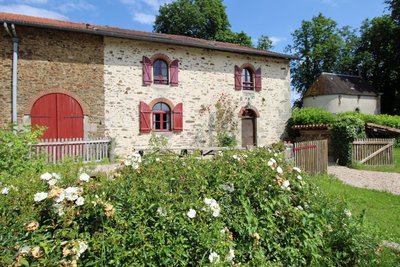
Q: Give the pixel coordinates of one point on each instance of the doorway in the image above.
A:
(249, 128)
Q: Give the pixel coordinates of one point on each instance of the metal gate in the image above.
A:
(311, 156)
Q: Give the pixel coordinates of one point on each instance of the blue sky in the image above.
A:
(277, 19)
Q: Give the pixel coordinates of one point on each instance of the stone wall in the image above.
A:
(54, 61)
(343, 103)
(204, 76)
(5, 74)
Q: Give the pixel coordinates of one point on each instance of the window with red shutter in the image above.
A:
(247, 79)
(174, 70)
(178, 118)
(145, 116)
(238, 78)
(146, 64)
(160, 72)
(161, 117)
(258, 80)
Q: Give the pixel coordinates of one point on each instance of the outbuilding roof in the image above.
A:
(45, 23)
(334, 84)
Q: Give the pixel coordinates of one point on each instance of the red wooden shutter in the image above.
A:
(145, 115)
(258, 80)
(147, 79)
(177, 114)
(238, 78)
(174, 70)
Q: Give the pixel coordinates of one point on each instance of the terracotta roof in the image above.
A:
(333, 84)
(136, 35)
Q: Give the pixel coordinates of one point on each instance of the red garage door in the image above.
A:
(61, 114)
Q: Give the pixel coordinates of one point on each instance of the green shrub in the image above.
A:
(306, 116)
(16, 156)
(392, 121)
(343, 131)
(245, 207)
(226, 140)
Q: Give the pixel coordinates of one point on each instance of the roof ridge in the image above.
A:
(110, 31)
(338, 74)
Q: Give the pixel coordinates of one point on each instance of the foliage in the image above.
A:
(379, 59)
(306, 116)
(381, 215)
(158, 141)
(392, 121)
(16, 155)
(264, 43)
(394, 7)
(247, 207)
(240, 38)
(321, 46)
(225, 121)
(204, 19)
(343, 132)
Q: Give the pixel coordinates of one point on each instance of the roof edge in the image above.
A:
(101, 30)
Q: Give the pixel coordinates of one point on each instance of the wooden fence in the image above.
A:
(55, 150)
(373, 151)
(311, 156)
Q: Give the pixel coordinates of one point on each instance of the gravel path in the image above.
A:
(383, 181)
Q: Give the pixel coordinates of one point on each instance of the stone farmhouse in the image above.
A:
(84, 81)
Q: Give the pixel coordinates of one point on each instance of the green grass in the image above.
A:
(381, 211)
(389, 168)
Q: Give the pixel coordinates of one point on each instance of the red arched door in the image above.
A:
(61, 114)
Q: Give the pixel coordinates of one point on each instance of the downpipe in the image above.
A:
(15, 41)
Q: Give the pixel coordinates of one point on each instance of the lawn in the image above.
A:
(389, 168)
(381, 210)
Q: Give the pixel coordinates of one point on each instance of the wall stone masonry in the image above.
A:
(54, 61)
(204, 75)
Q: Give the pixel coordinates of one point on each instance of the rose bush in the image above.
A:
(247, 208)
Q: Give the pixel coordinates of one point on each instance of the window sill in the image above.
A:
(160, 86)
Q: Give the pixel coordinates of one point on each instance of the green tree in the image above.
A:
(321, 46)
(379, 57)
(394, 7)
(204, 19)
(264, 43)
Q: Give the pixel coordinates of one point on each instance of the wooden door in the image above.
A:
(249, 133)
(61, 114)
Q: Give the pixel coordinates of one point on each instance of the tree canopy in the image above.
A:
(204, 19)
(264, 43)
(321, 46)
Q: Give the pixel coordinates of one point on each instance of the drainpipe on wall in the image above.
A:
(15, 40)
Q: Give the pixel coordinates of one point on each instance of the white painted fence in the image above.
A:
(56, 150)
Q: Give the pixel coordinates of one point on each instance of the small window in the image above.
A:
(161, 117)
(247, 79)
(160, 72)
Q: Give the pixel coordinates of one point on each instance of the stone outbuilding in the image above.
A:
(339, 93)
(83, 81)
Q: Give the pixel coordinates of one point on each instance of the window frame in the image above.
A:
(159, 78)
(247, 85)
(162, 113)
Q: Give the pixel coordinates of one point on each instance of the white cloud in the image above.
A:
(144, 11)
(68, 6)
(275, 39)
(144, 18)
(32, 11)
(34, 2)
